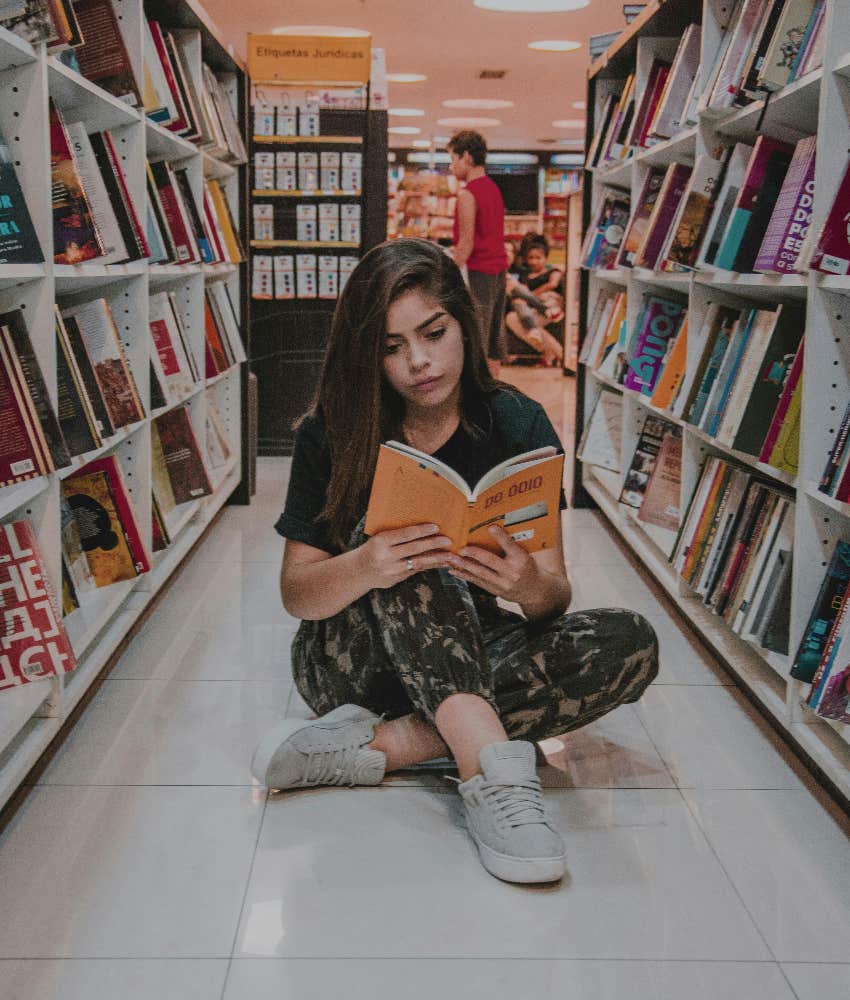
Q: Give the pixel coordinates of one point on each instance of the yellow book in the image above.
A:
(786, 452)
(673, 371)
(705, 519)
(522, 494)
(612, 330)
(225, 220)
(106, 546)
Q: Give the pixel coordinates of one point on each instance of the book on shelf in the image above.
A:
(174, 213)
(721, 325)
(624, 103)
(601, 441)
(766, 618)
(197, 223)
(182, 455)
(602, 243)
(75, 235)
(604, 332)
(754, 205)
(659, 322)
(161, 490)
(217, 445)
(217, 357)
(522, 494)
(177, 118)
(171, 360)
(31, 443)
(29, 19)
(831, 252)
(35, 643)
(662, 495)
(792, 381)
(823, 614)
(648, 102)
(785, 43)
(830, 691)
(604, 122)
(669, 115)
(230, 231)
(789, 223)
(673, 367)
(77, 580)
(109, 532)
(103, 58)
(94, 323)
(743, 41)
(643, 460)
(18, 239)
(724, 203)
(640, 217)
(160, 535)
(126, 214)
(672, 189)
(682, 247)
(742, 335)
(75, 411)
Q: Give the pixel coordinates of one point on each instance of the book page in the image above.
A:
(511, 465)
(406, 491)
(526, 504)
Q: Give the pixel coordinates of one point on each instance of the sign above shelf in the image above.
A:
(313, 59)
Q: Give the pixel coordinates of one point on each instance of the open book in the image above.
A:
(522, 494)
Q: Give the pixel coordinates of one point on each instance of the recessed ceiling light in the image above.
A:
(404, 130)
(421, 143)
(580, 105)
(468, 122)
(333, 30)
(568, 123)
(407, 112)
(441, 140)
(478, 103)
(532, 6)
(406, 77)
(555, 45)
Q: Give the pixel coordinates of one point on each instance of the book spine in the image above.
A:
(832, 254)
(782, 407)
(790, 221)
(829, 598)
(661, 322)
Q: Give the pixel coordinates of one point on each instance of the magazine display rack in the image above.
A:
(817, 105)
(31, 715)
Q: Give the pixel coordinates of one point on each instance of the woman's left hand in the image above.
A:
(511, 574)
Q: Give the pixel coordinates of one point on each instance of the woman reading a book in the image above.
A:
(402, 650)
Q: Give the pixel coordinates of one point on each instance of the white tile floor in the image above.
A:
(145, 864)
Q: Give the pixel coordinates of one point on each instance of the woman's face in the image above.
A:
(535, 259)
(511, 252)
(423, 352)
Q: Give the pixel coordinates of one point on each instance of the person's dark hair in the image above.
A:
(534, 241)
(357, 405)
(467, 141)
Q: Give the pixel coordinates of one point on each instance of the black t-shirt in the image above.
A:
(512, 423)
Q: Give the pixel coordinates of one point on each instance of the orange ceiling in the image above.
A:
(451, 41)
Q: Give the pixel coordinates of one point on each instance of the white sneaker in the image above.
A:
(507, 818)
(330, 750)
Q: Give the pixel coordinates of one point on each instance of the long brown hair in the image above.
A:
(357, 405)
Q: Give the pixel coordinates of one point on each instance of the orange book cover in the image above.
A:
(673, 371)
(612, 331)
(708, 511)
(521, 494)
(225, 220)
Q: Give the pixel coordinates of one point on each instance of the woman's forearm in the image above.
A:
(321, 589)
(551, 596)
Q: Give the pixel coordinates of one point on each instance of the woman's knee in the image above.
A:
(644, 656)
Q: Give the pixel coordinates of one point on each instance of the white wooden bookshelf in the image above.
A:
(32, 715)
(818, 103)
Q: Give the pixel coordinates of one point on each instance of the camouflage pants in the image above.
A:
(409, 647)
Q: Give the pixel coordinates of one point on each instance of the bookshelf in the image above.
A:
(32, 715)
(815, 104)
(290, 326)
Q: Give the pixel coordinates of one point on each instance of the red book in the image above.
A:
(219, 355)
(75, 237)
(23, 455)
(657, 89)
(108, 465)
(833, 250)
(35, 644)
(180, 124)
(183, 460)
(177, 224)
(138, 229)
(103, 56)
(783, 404)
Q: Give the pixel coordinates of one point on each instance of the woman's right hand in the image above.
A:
(391, 556)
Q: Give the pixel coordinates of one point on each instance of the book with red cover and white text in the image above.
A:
(792, 214)
(832, 254)
(34, 642)
(183, 458)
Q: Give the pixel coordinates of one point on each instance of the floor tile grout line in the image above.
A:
(244, 896)
(413, 958)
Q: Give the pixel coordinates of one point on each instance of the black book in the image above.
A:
(764, 397)
(775, 171)
(777, 635)
(157, 396)
(18, 241)
(823, 614)
(182, 178)
(90, 383)
(724, 586)
(76, 417)
(19, 339)
(190, 114)
(159, 216)
(116, 196)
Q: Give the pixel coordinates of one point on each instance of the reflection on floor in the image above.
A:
(146, 864)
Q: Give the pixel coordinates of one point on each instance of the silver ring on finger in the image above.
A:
(409, 564)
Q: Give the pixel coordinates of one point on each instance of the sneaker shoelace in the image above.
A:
(519, 804)
(330, 767)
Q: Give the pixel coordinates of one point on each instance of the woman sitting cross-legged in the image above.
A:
(403, 651)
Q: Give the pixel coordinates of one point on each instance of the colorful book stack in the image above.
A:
(734, 549)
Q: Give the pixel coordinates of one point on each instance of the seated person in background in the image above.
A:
(535, 300)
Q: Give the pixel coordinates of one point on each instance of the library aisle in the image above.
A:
(702, 862)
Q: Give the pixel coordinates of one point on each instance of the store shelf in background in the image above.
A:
(260, 193)
(272, 244)
(300, 140)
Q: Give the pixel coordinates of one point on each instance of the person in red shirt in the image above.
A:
(479, 238)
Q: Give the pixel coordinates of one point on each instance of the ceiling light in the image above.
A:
(333, 31)
(532, 6)
(569, 123)
(406, 77)
(468, 122)
(441, 140)
(404, 130)
(421, 143)
(505, 158)
(555, 45)
(407, 112)
(478, 103)
(580, 105)
(567, 160)
(429, 158)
